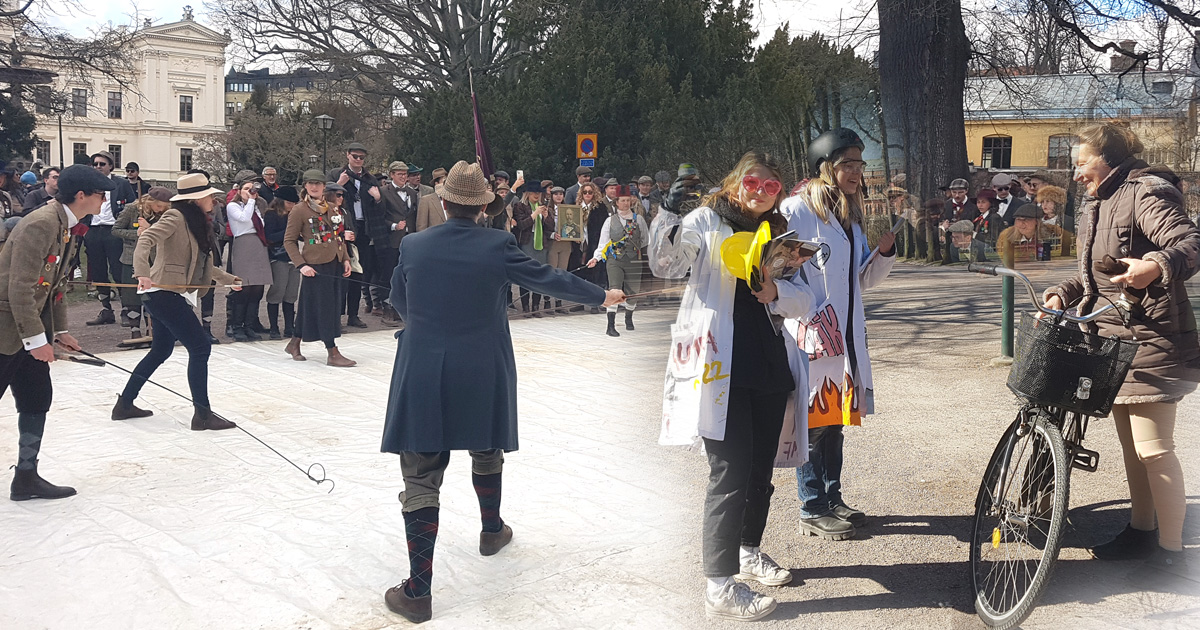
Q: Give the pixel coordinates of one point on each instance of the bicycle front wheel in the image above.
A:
(1019, 516)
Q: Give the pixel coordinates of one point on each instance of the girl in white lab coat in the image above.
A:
(730, 375)
(829, 211)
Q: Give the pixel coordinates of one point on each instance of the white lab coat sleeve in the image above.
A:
(604, 232)
(874, 269)
(796, 299)
(675, 243)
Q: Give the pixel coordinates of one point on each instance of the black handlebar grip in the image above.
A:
(983, 268)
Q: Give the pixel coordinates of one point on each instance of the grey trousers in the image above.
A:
(424, 472)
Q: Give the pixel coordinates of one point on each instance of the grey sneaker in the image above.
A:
(762, 569)
(737, 602)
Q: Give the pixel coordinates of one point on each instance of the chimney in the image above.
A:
(1119, 62)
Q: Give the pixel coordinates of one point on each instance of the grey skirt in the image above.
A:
(248, 260)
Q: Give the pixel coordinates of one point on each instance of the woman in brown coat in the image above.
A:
(321, 228)
(1134, 213)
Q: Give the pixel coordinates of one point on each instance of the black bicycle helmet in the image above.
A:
(829, 143)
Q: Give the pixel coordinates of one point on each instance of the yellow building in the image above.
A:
(1030, 122)
(297, 90)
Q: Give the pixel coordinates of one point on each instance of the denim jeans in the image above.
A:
(819, 480)
(173, 319)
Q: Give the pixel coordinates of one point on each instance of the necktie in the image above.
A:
(258, 227)
(537, 230)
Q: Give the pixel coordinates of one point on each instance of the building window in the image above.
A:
(114, 104)
(997, 152)
(78, 149)
(42, 99)
(239, 107)
(321, 85)
(185, 109)
(115, 150)
(305, 107)
(79, 102)
(1062, 151)
(280, 108)
(1162, 88)
(185, 160)
(41, 151)
(230, 108)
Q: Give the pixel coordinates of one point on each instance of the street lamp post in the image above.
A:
(325, 121)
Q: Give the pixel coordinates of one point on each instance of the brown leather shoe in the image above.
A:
(414, 609)
(124, 411)
(490, 543)
(206, 420)
(293, 348)
(337, 360)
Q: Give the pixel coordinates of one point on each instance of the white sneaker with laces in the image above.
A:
(737, 602)
(762, 569)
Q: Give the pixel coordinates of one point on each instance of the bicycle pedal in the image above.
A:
(1085, 459)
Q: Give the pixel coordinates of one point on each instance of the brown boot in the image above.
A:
(206, 420)
(337, 360)
(414, 609)
(293, 348)
(126, 410)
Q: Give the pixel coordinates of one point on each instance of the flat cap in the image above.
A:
(645, 179)
(397, 166)
(501, 175)
(160, 193)
(334, 187)
(355, 146)
(583, 170)
(1002, 179)
(312, 175)
(963, 227)
(958, 184)
(77, 177)
(1026, 211)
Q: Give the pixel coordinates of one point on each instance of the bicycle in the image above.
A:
(1065, 377)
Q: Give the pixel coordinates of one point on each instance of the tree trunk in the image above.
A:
(923, 53)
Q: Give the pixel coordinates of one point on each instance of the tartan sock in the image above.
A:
(420, 527)
(31, 426)
(487, 488)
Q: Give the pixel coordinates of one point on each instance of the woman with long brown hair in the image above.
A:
(595, 213)
(730, 374)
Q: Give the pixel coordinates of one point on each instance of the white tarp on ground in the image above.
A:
(175, 529)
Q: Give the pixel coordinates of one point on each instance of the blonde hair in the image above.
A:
(1052, 193)
(825, 197)
(150, 208)
(1114, 143)
(732, 184)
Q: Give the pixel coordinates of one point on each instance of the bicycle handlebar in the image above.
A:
(1000, 270)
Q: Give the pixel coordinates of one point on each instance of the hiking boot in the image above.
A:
(28, 484)
(490, 543)
(106, 316)
(857, 518)
(762, 569)
(414, 609)
(737, 602)
(1130, 544)
(206, 420)
(827, 526)
(126, 410)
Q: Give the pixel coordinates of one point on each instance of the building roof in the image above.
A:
(1079, 96)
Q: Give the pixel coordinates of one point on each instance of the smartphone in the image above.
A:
(520, 174)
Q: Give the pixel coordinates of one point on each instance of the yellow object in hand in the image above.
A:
(742, 252)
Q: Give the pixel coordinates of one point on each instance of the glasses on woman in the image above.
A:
(854, 166)
(771, 186)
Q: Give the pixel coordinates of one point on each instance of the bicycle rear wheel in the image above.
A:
(1019, 516)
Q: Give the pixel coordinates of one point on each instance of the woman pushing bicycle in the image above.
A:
(1133, 227)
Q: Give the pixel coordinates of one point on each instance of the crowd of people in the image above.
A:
(745, 349)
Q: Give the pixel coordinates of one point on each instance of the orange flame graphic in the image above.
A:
(830, 407)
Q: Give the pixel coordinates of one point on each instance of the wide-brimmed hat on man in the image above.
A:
(465, 185)
(191, 186)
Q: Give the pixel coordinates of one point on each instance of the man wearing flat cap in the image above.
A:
(583, 175)
(398, 214)
(645, 197)
(104, 249)
(361, 198)
(33, 276)
(454, 385)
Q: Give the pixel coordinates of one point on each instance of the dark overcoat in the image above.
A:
(454, 385)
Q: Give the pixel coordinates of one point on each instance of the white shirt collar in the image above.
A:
(71, 220)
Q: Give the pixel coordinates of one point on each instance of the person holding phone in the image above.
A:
(171, 258)
(731, 373)
(840, 392)
(247, 258)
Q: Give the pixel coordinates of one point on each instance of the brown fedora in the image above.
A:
(465, 185)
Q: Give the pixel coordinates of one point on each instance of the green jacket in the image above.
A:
(33, 276)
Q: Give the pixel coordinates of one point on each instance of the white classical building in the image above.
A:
(177, 96)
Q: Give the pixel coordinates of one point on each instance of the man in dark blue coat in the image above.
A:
(454, 385)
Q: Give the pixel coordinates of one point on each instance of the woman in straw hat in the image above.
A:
(321, 228)
(181, 245)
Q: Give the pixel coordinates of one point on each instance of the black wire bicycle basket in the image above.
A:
(1062, 366)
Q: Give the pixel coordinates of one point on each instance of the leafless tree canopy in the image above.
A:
(397, 48)
(106, 52)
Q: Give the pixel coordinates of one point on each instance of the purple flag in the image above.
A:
(483, 152)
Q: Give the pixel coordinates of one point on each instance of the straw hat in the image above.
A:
(466, 186)
(194, 186)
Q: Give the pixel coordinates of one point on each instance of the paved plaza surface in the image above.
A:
(175, 529)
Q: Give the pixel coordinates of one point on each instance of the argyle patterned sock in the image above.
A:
(487, 488)
(31, 427)
(420, 527)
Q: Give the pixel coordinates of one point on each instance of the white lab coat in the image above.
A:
(823, 328)
(696, 389)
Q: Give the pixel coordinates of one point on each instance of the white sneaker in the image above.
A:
(762, 569)
(737, 602)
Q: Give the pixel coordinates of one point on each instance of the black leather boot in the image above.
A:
(1130, 544)
(612, 326)
(28, 484)
(289, 319)
(206, 420)
(273, 319)
(106, 316)
(628, 320)
(208, 331)
(125, 410)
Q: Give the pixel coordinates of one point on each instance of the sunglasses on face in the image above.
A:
(357, 156)
(770, 186)
(339, 195)
(99, 164)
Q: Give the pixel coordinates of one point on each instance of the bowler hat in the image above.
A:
(312, 175)
(190, 186)
(354, 146)
(1028, 211)
(288, 193)
(466, 186)
(397, 166)
(77, 178)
